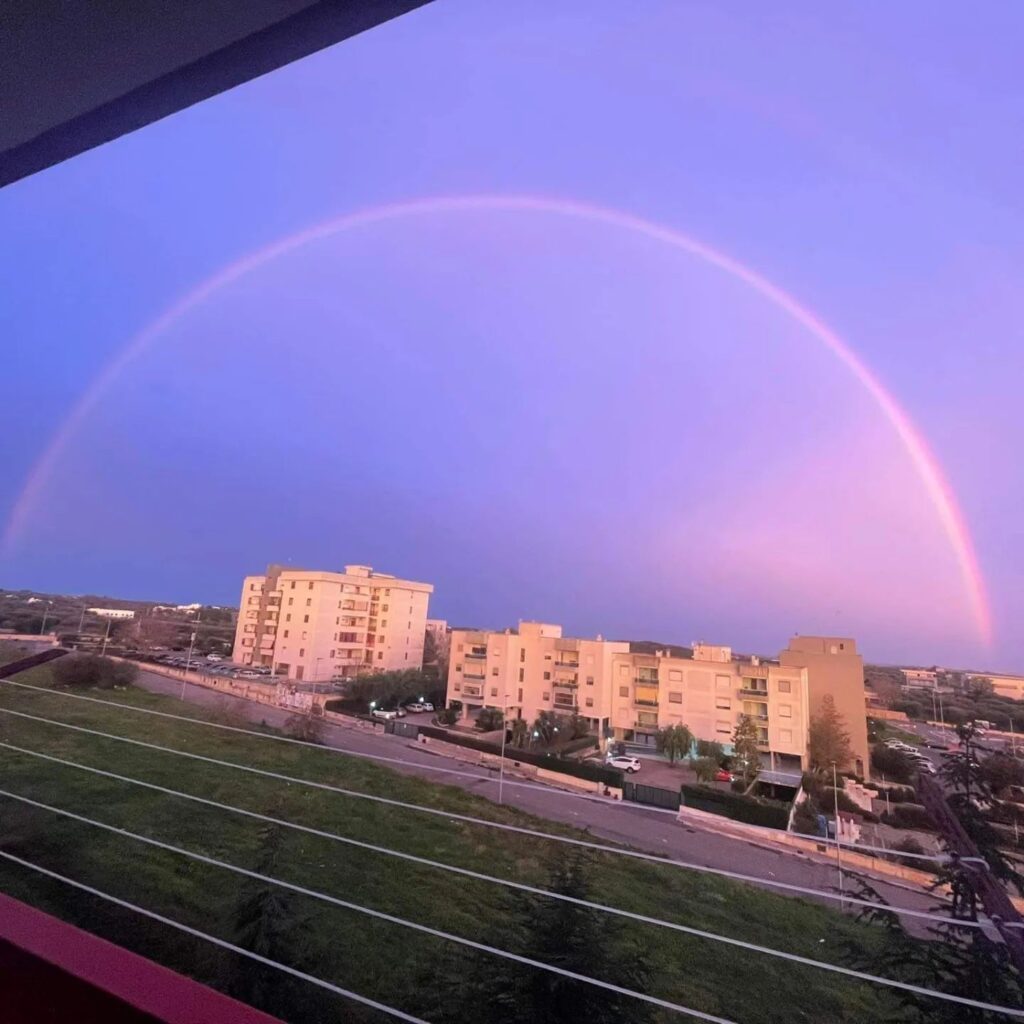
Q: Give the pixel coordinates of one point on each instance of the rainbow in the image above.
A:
(926, 465)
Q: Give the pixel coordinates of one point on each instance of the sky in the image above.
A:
(546, 414)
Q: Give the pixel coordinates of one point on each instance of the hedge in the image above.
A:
(909, 816)
(739, 807)
(551, 762)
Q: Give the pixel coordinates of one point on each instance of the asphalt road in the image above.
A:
(640, 827)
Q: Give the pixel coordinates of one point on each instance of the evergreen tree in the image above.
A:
(828, 741)
(674, 741)
(563, 935)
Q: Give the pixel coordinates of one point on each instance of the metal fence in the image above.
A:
(652, 795)
(399, 728)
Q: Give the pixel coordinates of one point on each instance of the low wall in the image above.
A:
(887, 716)
(820, 848)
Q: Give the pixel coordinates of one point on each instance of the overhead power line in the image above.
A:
(479, 876)
(380, 915)
(224, 944)
(502, 826)
(490, 779)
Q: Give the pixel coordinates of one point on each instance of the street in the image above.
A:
(632, 824)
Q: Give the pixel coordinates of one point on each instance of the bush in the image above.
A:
(805, 818)
(489, 719)
(710, 748)
(829, 798)
(909, 816)
(705, 768)
(447, 716)
(891, 763)
(90, 671)
(738, 785)
(898, 794)
(749, 809)
(550, 762)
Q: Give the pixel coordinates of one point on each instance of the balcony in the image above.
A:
(567, 663)
(565, 705)
(472, 691)
(648, 678)
(749, 689)
(477, 653)
(566, 684)
(646, 702)
(474, 675)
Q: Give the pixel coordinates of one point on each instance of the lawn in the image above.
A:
(382, 960)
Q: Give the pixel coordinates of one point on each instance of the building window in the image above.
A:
(723, 682)
(723, 704)
(785, 735)
(590, 680)
(590, 702)
(291, 599)
(302, 652)
(458, 668)
(309, 602)
(547, 657)
(522, 675)
(547, 696)
(380, 655)
(623, 691)
(547, 675)
(383, 623)
(494, 691)
(387, 591)
(286, 634)
(520, 696)
(522, 654)
(785, 686)
(332, 652)
(310, 584)
(288, 617)
(459, 648)
(383, 607)
(675, 675)
(293, 584)
(407, 657)
(723, 728)
(675, 697)
(494, 671)
(305, 618)
(785, 711)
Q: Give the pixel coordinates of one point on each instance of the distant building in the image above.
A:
(437, 626)
(920, 678)
(1004, 686)
(627, 693)
(112, 613)
(835, 668)
(316, 625)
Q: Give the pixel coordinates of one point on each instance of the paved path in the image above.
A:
(641, 828)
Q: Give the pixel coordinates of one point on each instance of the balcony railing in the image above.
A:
(474, 675)
(472, 691)
(645, 703)
(567, 663)
(476, 654)
(567, 684)
(753, 691)
(566, 705)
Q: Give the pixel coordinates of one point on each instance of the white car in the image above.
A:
(426, 705)
(381, 713)
(626, 764)
(215, 657)
(415, 707)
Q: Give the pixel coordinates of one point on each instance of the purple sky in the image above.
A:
(549, 418)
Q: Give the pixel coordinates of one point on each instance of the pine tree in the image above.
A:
(828, 741)
(564, 935)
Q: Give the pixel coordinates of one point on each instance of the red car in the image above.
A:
(723, 776)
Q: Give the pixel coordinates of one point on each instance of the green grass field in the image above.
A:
(414, 972)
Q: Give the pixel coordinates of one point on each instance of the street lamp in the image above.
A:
(46, 611)
(839, 859)
(501, 763)
(188, 664)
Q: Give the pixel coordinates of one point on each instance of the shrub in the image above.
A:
(712, 749)
(738, 785)
(705, 768)
(909, 816)
(891, 763)
(81, 671)
(447, 716)
(489, 719)
(749, 809)
(550, 761)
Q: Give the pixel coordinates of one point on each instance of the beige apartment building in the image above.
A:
(628, 694)
(318, 626)
(835, 668)
(1005, 686)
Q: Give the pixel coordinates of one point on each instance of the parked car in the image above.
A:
(400, 712)
(415, 707)
(425, 705)
(723, 776)
(624, 763)
(382, 713)
(215, 657)
(248, 674)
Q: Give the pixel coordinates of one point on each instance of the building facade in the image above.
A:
(317, 626)
(112, 613)
(834, 668)
(628, 694)
(1006, 686)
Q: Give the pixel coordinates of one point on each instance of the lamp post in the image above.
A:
(839, 859)
(188, 664)
(46, 612)
(106, 637)
(501, 761)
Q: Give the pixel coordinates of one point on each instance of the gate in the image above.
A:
(652, 795)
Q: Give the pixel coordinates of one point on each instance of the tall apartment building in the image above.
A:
(627, 693)
(835, 668)
(323, 625)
